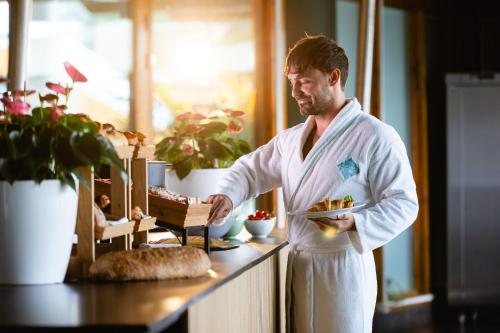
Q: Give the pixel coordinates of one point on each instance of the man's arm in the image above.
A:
(251, 175)
(391, 182)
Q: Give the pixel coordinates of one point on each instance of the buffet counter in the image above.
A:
(242, 293)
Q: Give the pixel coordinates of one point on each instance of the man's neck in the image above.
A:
(323, 120)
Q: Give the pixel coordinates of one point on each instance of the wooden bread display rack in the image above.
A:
(124, 195)
(171, 214)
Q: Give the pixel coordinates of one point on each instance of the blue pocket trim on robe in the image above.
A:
(348, 168)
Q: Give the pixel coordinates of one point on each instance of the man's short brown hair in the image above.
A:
(318, 52)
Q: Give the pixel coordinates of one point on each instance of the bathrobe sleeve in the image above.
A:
(253, 174)
(396, 204)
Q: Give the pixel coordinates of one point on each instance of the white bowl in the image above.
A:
(260, 228)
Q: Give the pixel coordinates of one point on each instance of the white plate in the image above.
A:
(328, 213)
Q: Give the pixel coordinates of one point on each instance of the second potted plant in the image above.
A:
(200, 150)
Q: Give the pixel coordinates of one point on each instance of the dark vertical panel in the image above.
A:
(461, 36)
(306, 17)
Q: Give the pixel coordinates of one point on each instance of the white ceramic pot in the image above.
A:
(156, 173)
(200, 183)
(37, 224)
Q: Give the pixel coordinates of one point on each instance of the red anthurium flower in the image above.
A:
(234, 113)
(183, 116)
(18, 108)
(6, 101)
(57, 112)
(188, 149)
(56, 87)
(21, 93)
(73, 73)
(235, 127)
(192, 129)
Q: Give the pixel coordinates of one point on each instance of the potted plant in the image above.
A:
(42, 151)
(200, 150)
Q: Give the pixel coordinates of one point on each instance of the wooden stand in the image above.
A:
(185, 233)
(182, 217)
(142, 154)
(85, 226)
(123, 196)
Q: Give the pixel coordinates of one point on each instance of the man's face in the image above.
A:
(312, 91)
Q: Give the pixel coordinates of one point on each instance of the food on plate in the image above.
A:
(331, 204)
(151, 264)
(260, 215)
(348, 201)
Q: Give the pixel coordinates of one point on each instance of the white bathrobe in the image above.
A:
(331, 282)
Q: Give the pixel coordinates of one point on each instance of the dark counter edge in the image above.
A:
(93, 328)
(174, 316)
(161, 324)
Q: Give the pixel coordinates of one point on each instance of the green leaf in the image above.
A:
(213, 128)
(65, 158)
(109, 156)
(174, 154)
(13, 136)
(218, 150)
(162, 148)
(40, 115)
(86, 147)
(243, 146)
(69, 180)
(77, 124)
(183, 168)
(24, 144)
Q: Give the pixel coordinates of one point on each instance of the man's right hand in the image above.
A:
(221, 206)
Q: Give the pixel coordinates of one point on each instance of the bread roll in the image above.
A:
(118, 139)
(151, 264)
(328, 203)
(102, 201)
(337, 204)
(348, 204)
(135, 138)
(137, 213)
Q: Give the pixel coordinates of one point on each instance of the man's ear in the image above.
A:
(334, 76)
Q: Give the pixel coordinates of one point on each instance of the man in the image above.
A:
(338, 151)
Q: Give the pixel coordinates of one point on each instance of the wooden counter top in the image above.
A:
(130, 306)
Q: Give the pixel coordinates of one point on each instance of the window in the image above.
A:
(203, 60)
(4, 44)
(96, 38)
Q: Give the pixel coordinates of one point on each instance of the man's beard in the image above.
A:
(320, 107)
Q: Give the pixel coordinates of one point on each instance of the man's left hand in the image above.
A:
(343, 222)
